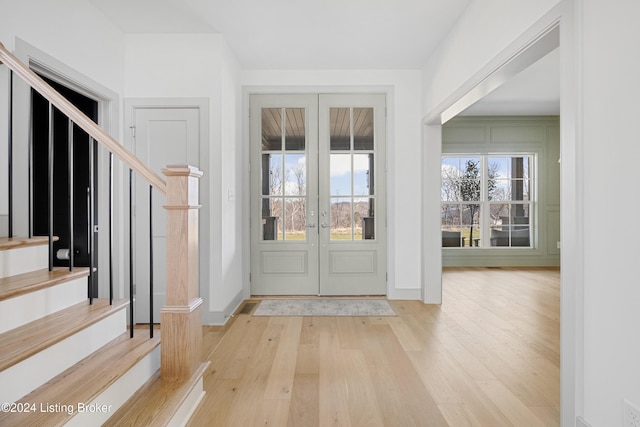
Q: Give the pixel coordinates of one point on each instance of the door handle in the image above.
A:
(311, 225)
(323, 225)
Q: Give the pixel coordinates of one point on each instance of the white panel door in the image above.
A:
(284, 195)
(318, 222)
(352, 195)
(162, 136)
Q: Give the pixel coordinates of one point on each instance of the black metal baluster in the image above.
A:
(71, 182)
(50, 191)
(10, 159)
(131, 296)
(92, 287)
(110, 228)
(150, 261)
(30, 168)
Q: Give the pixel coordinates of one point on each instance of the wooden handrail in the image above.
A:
(81, 119)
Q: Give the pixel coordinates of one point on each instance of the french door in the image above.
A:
(318, 224)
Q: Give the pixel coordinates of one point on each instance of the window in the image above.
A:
(487, 201)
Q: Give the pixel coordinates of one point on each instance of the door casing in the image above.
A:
(199, 109)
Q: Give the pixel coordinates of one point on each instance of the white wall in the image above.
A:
(611, 143)
(606, 290)
(403, 152)
(483, 31)
(230, 294)
(74, 33)
(201, 66)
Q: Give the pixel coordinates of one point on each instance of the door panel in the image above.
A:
(352, 198)
(284, 238)
(318, 224)
(163, 136)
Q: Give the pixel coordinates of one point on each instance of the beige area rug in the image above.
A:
(324, 307)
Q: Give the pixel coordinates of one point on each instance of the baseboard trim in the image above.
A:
(220, 318)
(408, 294)
(580, 422)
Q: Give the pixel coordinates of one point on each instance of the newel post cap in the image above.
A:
(182, 170)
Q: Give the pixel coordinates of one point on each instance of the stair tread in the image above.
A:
(83, 382)
(32, 281)
(156, 402)
(7, 243)
(24, 341)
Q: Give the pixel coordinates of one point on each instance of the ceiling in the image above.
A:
(336, 34)
(534, 91)
(302, 34)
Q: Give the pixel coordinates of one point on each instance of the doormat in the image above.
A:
(324, 307)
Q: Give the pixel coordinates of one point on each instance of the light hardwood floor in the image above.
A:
(487, 357)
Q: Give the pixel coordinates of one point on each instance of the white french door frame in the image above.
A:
(388, 92)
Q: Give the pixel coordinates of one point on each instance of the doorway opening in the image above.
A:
(83, 173)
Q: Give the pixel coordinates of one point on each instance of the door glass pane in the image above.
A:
(271, 218)
(340, 219)
(364, 219)
(363, 128)
(340, 173)
(295, 131)
(295, 218)
(271, 174)
(296, 174)
(271, 129)
(340, 126)
(363, 174)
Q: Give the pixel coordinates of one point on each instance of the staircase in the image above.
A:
(67, 359)
(63, 361)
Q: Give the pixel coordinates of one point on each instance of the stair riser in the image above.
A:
(41, 367)
(119, 392)
(189, 405)
(23, 260)
(26, 308)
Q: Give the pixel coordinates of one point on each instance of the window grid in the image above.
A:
(488, 216)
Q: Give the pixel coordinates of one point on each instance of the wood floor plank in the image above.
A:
(412, 390)
(549, 415)
(333, 393)
(404, 334)
(247, 407)
(488, 356)
(280, 382)
(509, 404)
(361, 390)
(455, 415)
(304, 409)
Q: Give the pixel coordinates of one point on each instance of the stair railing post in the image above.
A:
(181, 324)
